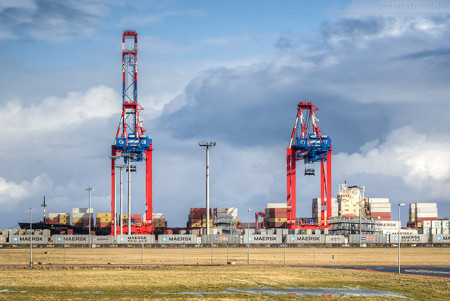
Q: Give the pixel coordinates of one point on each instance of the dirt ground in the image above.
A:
(221, 255)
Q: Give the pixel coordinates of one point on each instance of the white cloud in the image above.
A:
(54, 114)
(419, 159)
(51, 20)
(12, 193)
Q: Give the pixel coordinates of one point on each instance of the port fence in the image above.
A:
(154, 255)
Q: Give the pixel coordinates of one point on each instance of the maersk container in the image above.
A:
(368, 239)
(179, 239)
(305, 239)
(220, 239)
(410, 239)
(436, 224)
(2, 239)
(334, 239)
(70, 239)
(102, 239)
(27, 239)
(263, 239)
(386, 224)
(445, 224)
(440, 239)
(135, 239)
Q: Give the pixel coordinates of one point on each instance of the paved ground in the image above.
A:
(437, 271)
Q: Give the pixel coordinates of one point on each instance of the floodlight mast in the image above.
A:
(207, 145)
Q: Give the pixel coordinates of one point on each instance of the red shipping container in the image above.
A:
(276, 212)
(70, 231)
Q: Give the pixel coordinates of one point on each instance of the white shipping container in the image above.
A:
(263, 239)
(419, 238)
(426, 215)
(135, 239)
(380, 210)
(436, 231)
(387, 224)
(70, 239)
(425, 231)
(446, 231)
(426, 205)
(402, 231)
(179, 239)
(378, 200)
(158, 215)
(412, 206)
(276, 205)
(334, 239)
(82, 210)
(444, 238)
(445, 224)
(426, 224)
(380, 205)
(426, 210)
(27, 239)
(436, 224)
(305, 239)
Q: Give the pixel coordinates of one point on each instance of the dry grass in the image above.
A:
(169, 282)
(201, 256)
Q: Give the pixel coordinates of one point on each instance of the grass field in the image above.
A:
(213, 282)
(47, 282)
(201, 256)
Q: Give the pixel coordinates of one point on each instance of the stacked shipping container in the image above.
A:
(316, 208)
(380, 209)
(103, 220)
(159, 221)
(58, 218)
(276, 215)
(419, 212)
(80, 217)
(197, 218)
(225, 218)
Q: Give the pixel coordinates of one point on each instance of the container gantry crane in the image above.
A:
(263, 215)
(308, 144)
(131, 143)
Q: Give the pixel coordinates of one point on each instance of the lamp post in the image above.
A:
(248, 237)
(31, 239)
(207, 145)
(89, 189)
(398, 234)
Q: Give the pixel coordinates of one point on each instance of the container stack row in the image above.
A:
(276, 215)
(197, 218)
(434, 227)
(80, 217)
(316, 208)
(103, 220)
(58, 218)
(419, 212)
(380, 209)
(159, 221)
(226, 219)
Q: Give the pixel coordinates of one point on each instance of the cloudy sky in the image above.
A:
(231, 72)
